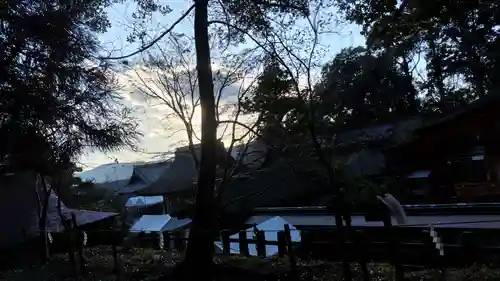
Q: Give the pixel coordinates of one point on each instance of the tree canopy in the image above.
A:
(359, 88)
(57, 100)
(458, 40)
(420, 57)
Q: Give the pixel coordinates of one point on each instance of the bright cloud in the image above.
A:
(163, 130)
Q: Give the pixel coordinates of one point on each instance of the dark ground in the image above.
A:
(146, 264)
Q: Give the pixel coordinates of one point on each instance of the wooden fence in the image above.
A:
(399, 246)
(403, 248)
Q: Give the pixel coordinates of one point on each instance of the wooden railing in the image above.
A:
(417, 246)
(389, 244)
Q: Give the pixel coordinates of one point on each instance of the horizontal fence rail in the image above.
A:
(426, 246)
(369, 239)
(411, 209)
(401, 248)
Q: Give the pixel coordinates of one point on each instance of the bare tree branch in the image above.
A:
(250, 129)
(175, 86)
(152, 43)
(305, 65)
(282, 6)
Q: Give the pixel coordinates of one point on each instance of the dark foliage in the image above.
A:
(56, 99)
(458, 39)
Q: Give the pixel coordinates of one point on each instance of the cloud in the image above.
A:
(162, 129)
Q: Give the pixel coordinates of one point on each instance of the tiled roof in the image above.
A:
(152, 172)
(143, 176)
(142, 201)
(113, 186)
(175, 223)
(365, 162)
(158, 223)
(180, 174)
(150, 223)
(84, 217)
(400, 131)
(275, 185)
(479, 105)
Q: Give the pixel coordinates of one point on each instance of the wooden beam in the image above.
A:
(165, 204)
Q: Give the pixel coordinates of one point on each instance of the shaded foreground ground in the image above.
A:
(145, 264)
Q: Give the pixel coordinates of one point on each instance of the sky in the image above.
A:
(161, 135)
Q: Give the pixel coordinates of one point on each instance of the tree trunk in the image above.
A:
(409, 80)
(438, 79)
(189, 130)
(199, 253)
(42, 221)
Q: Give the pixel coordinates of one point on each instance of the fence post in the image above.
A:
(71, 251)
(242, 235)
(468, 244)
(26, 248)
(226, 246)
(175, 239)
(260, 243)
(179, 241)
(291, 254)
(123, 220)
(380, 212)
(393, 246)
(117, 265)
(281, 244)
(306, 244)
(346, 233)
(80, 245)
(363, 245)
(167, 238)
(115, 258)
(338, 206)
(184, 237)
